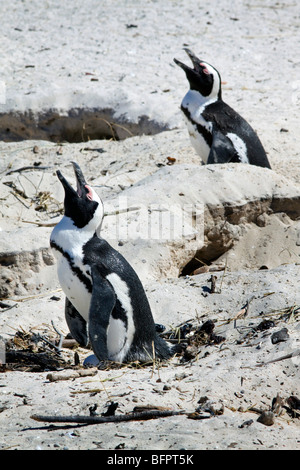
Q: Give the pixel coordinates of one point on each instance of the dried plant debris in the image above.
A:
(34, 351)
(189, 333)
(46, 351)
(192, 338)
(294, 402)
(207, 408)
(279, 406)
(271, 320)
(288, 314)
(293, 406)
(44, 202)
(214, 407)
(111, 409)
(40, 201)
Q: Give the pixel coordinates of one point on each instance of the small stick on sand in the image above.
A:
(70, 374)
(142, 415)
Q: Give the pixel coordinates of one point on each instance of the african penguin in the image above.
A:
(106, 304)
(218, 133)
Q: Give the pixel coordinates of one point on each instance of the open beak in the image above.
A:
(80, 180)
(193, 58)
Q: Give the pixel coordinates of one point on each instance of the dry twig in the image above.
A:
(24, 168)
(71, 374)
(135, 416)
(281, 358)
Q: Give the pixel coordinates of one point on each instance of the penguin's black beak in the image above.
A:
(182, 65)
(194, 60)
(81, 205)
(80, 180)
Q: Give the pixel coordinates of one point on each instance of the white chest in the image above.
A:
(73, 274)
(73, 286)
(198, 141)
(195, 104)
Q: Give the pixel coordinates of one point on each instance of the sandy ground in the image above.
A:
(119, 57)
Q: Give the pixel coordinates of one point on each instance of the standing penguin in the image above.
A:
(218, 133)
(106, 303)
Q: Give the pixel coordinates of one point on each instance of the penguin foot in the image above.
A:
(105, 365)
(178, 348)
(159, 328)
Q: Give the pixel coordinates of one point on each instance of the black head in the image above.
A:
(83, 206)
(203, 77)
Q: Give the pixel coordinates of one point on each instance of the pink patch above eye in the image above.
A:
(89, 193)
(205, 70)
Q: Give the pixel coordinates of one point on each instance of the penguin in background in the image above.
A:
(217, 132)
(106, 304)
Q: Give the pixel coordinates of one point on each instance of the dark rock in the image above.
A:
(279, 336)
(267, 418)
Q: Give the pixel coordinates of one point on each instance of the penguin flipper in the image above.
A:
(102, 304)
(76, 324)
(222, 150)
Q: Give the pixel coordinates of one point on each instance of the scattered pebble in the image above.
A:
(265, 325)
(294, 402)
(267, 418)
(214, 407)
(246, 424)
(279, 336)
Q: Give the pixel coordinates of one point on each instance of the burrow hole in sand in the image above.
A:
(76, 125)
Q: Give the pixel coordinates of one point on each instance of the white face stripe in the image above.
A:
(217, 82)
(239, 146)
(95, 196)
